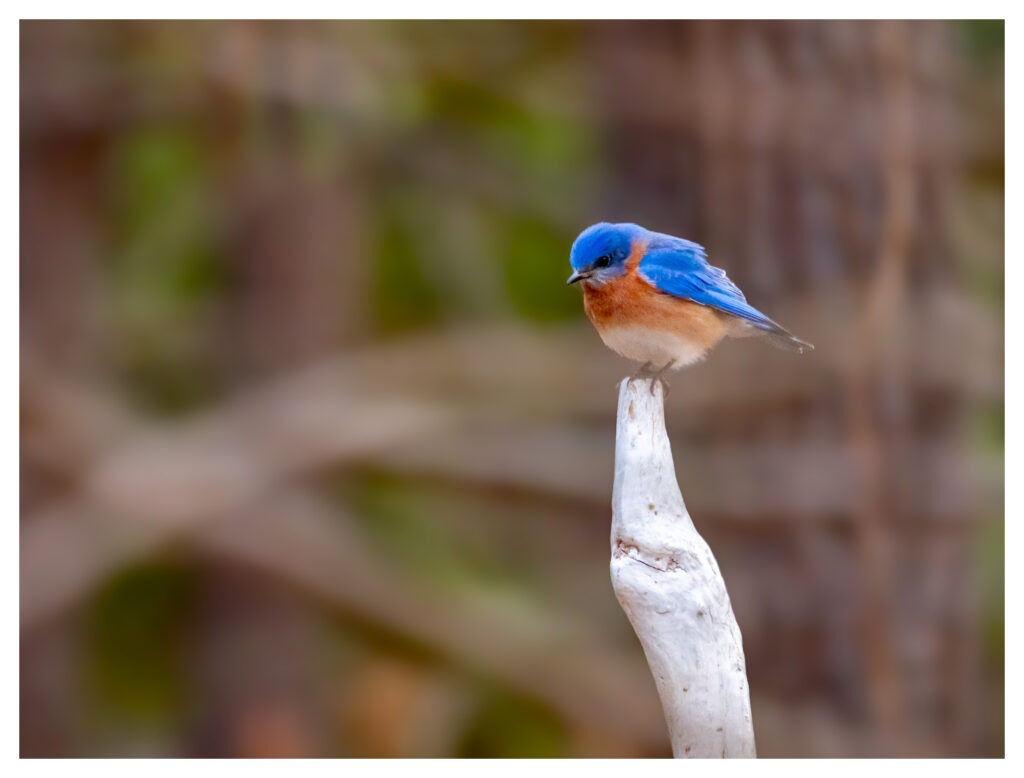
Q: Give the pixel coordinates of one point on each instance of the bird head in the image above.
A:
(600, 252)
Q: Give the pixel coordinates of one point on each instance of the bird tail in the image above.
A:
(775, 334)
(784, 340)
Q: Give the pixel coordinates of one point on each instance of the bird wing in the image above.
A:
(680, 267)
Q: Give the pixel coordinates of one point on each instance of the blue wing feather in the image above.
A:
(680, 267)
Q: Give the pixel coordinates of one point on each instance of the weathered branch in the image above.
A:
(669, 585)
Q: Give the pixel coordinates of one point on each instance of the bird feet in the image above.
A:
(657, 376)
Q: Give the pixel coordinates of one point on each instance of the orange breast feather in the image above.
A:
(629, 301)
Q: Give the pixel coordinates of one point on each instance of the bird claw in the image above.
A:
(648, 373)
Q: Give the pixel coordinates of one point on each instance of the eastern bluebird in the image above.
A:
(655, 299)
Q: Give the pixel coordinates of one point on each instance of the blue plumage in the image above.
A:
(604, 257)
(680, 267)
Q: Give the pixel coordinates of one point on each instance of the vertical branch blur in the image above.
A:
(878, 386)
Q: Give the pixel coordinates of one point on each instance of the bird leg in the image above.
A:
(658, 377)
(644, 371)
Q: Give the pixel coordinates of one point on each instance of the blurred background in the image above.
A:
(316, 444)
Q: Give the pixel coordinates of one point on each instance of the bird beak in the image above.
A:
(577, 277)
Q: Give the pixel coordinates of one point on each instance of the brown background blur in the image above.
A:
(316, 447)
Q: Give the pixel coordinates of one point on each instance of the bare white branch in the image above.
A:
(669, 584)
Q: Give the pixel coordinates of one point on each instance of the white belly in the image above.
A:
(654, 346)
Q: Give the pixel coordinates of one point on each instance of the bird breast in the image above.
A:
(642, 323)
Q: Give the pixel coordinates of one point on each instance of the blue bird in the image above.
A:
(654, 298)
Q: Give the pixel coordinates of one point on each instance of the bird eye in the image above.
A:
(603, 261)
